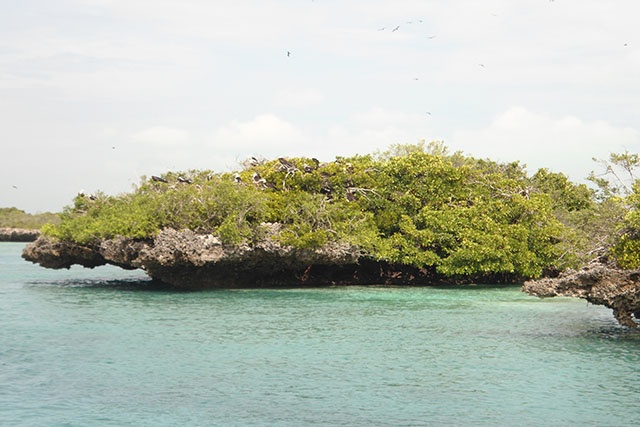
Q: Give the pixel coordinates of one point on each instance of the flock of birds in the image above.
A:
(284, 165)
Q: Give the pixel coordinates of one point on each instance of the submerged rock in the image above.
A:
(599, 284)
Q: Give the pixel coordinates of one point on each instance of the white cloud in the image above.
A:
(258, 22)
(565, 144)
(298, 98)
(215, 75)
(266, 132)
(161, 135)
(362, 133)
(375, 129)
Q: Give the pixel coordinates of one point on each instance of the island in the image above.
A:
(10, 234)
(17, 225)
(413, 215)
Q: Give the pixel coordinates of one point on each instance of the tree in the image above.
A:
(413, 205)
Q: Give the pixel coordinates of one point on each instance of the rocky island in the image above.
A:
(193, 261)
(10, 234)
(409, 216)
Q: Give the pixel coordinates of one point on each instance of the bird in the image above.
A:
(254, 162)
(307, 168)
(316, 161)
(350, 196)
(15, 187)
(396, 29)
(158, 179)
(256, 177)
(287, 165)
(428, 113)
(263, 182)
(237, 178)
(184, 180)
(288, 54)
(381, 29)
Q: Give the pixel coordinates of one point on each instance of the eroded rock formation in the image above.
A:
(18, 234)
(194, 261)
(599, 284)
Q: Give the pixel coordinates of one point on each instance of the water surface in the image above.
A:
(103, 347)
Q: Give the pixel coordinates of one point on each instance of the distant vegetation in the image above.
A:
(16, 218)
(414, 205)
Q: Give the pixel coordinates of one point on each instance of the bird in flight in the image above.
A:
(395, 29)
(288, 54)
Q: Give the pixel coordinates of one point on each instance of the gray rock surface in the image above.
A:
(194, 261)
(599, 284)
(18, 235)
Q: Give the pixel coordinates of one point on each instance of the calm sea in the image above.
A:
(100, 348)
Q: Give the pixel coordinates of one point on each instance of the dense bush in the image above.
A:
(16, 218)
(410, 205)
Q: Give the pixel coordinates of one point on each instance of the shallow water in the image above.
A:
(103, 348)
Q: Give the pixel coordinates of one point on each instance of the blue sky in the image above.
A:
(96, 93)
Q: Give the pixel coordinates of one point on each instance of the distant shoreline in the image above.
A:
(8, 234)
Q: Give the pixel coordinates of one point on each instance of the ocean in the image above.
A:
(104, 347)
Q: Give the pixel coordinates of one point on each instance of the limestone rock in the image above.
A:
(599, 284)
(195, 261)
(8, 234)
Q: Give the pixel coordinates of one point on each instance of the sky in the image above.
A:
(95, 94)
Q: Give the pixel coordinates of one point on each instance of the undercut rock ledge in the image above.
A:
(599, 284)
(188, 260)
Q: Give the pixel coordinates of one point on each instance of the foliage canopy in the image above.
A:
(17, 218)
(412, 205)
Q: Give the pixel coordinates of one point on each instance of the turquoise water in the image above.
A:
(99, 348)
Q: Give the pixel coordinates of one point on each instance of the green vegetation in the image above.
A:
(411, 205)
(16, 218)
(619, 215)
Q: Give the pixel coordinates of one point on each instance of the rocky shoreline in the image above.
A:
(187, 260)
(8, 234)
(191, 261)
(599, 284)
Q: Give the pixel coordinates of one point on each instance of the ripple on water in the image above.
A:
(108, 350)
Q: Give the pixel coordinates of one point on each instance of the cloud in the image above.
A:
(361, 133)
(221, 21)
(566, 144)
(266, 132)
(298, 98)
(162, 135)
(377, 128)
